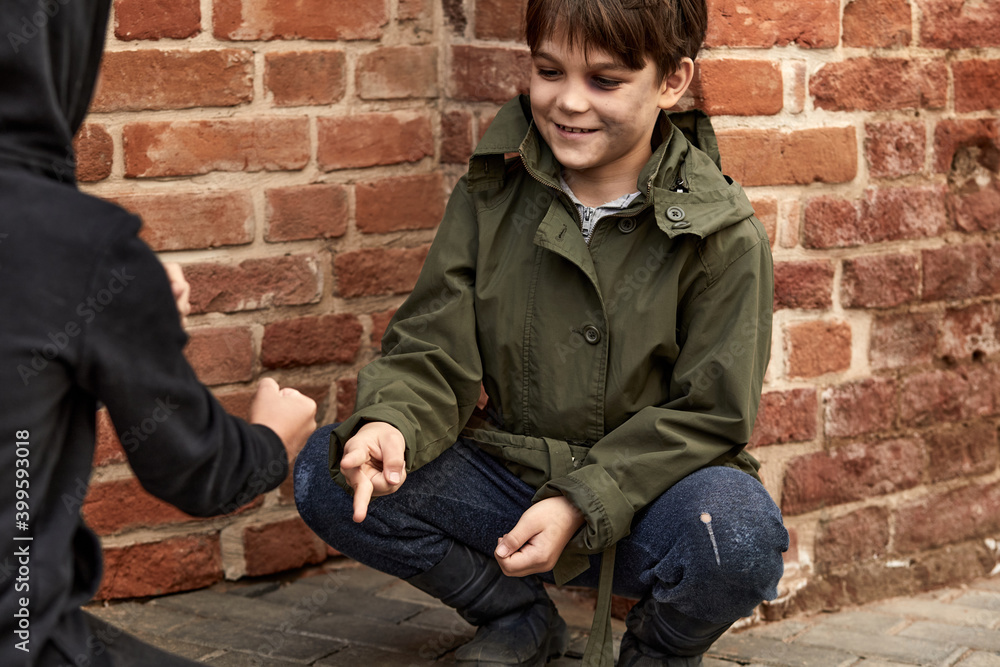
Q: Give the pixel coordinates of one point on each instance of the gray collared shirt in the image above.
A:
(590, 216)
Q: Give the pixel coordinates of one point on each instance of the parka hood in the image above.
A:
(50, 53)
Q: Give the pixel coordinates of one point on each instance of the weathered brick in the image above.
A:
(380, 321)
(895, 148)
(806, 284)
(952, 395)
(970, 333)
(956, 24)
(107, 448)
(767, 23)
(177, 79)
(878, 23)
(280, 546)
(183, 148)
(456, 137)
(253, 284)
(961, 272)
(785, 416)
(157, 568)
(393, 72)
(740, 87)
(304, 19)
(413, 10)
(949, 517)
(192, 220)
(963, 450)
(859, 536)
(885, 214)
(157, 19)
(950, 136)
(905, 339)
(852, 472)
(111, 507)
(976, 207)
(347, 394)
(301, 212)
(770, 157)
(298, 78)
(880, 84)
(367, 140)
(306, 341)
(489, 74)
(880, 281)
(94, 150)
(500, 19)
(398, 203)
(857, 408)
(373, 271)
(236, 403)
(816, 348)
(766, 210)
(977, 84)
(221, 355)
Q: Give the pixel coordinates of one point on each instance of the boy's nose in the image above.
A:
(572, 100)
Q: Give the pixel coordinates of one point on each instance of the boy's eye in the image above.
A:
(547, 73)
(604, 82)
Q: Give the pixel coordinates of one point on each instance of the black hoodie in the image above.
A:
(86, 315)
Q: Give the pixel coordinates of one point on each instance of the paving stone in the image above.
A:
(177, 647)
(400, 590)
(252, 590)
(265, 643)
(940, 611)
(876, 662)
(351, 576)
(979, 659)
(865, 621)
(902, 649)
(362, 603)
(237, 659)
(260, 612)
(977, 638)
(146, 618)
(403, 638)
(980, 600)
(441, 618)
(746, 648)
(778, 630)
(991, 584)
(353, 656)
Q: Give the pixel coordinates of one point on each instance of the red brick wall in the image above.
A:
(295, 157)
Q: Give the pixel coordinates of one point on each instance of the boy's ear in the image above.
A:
(674, 86)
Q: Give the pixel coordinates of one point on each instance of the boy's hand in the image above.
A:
(181, 289)
(287, 412)
(374, 464)
(536, 542)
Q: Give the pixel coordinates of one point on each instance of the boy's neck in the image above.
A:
(594, 187)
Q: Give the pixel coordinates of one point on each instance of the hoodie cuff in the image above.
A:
(607, 511)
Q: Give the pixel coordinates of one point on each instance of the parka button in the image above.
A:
(626, 225)
(592, 334)
(684, 224)
(675, 214)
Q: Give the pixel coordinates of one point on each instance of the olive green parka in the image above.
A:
(613, 370)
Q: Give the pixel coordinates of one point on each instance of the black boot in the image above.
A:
(660, 636)
(518, 624)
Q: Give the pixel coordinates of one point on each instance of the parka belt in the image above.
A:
(551, 457)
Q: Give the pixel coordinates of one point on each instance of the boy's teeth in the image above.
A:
(573, 129)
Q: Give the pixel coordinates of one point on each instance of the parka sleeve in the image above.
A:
(724, 336)
(427, 381)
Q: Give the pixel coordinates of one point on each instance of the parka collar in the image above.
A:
(688, 150)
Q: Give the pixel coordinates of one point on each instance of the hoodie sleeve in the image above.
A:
(184, 448)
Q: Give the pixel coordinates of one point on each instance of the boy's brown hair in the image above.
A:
(630, 30)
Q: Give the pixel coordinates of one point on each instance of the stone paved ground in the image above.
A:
(344, 615)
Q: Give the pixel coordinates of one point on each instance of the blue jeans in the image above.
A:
(710, 546)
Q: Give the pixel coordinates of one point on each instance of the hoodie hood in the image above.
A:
(50, 54)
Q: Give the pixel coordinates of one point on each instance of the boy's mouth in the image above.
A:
(575, 130)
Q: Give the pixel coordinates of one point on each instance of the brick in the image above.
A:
(253, 284)
(880, 281)
(185, 148)
(456, 137)
(880, 84)
(108, 448)
(817, 348)
(500, 19)
(853, 472)
(806, 284)
(963, 450)
(857, 408)
(950, 136)
(961, 272)
(347, 396)
(157, 19)
(367, 140)
(298, 78)
(158, 568)
(977, 84)
(884, 214)
(946, 518)
(975, 207)
(785, 416)
(767, 23)
(766, 210)
(955, 24)
(192, 220)
(94, 150)
(941, 396)
(328, 20)
(306, 341)
(399, 203)
(740, 87)
(412, 10)
(895, 148)
(380, 321)
(878, 23)
(221, 355)
(111, 507)
(858, 536)
(317, 211)
(373, 271)
(280, 546)
(489, 74)
(397, 72)
(237, 403)
(971, 333)
(770, 157)
(905, 339)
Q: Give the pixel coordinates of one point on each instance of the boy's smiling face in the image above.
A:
(596, 114)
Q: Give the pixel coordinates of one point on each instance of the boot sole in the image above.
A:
(556, 645)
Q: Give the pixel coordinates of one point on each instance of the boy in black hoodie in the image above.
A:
(87, 314)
